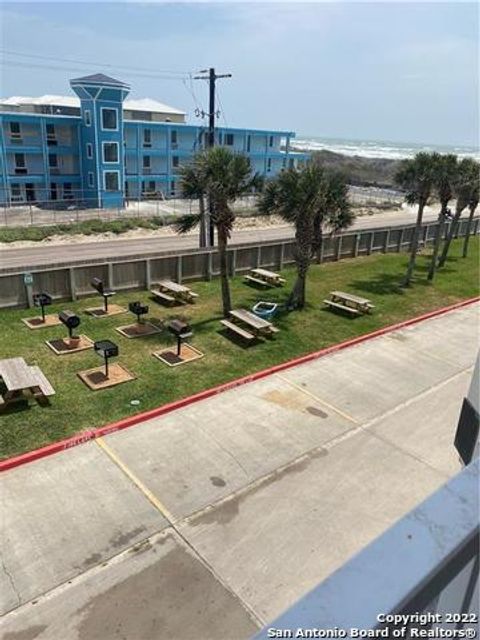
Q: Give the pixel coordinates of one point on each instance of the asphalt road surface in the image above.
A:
(51, 254)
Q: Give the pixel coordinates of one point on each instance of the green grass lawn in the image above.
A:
(75, 408)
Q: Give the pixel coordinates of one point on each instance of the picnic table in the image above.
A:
(21, 380)
(349, 302)
(170, 291)
(248, 325)
(265, 278)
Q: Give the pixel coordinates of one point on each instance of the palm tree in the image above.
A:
(416, 176)
(334, 214)
(446, 169)
(472, 205)
(303, 197)
(192, 187)
(221, 177)
(465, 184)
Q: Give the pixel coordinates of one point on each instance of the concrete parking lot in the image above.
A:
(209, 521)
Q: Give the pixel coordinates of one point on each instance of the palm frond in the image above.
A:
(187, 222)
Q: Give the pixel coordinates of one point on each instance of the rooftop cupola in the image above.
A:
(100, 87)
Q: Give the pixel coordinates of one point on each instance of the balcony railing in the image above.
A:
(419, 577)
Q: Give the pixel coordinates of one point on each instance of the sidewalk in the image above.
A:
(210, 521)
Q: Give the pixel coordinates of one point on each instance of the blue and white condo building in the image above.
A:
(100, 149)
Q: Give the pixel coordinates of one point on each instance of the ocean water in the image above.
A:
(377, 148)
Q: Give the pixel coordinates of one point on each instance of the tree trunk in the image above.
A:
(452, 231)
(317, 239)
(302, 254)
(469, 231)
(203, 223)
(436, 245)
(413, 249)
(222, 251)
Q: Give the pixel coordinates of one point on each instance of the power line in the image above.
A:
(94, 64)
(30, 65)
(222, 110)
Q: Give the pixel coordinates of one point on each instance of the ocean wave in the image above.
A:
(376, 149)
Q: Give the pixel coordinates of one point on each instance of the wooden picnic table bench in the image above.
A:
(265, 278)
(172, 291)
(18, 377)
(253, 326)
(349, 302)
(236, 329)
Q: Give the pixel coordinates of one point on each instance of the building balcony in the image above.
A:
(35, 178)
(424, 565)
(135, 177)
(61, 177)
(26, 147)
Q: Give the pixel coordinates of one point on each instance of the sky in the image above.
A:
(395, 71)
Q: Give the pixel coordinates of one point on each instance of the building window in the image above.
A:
(110, 152)
(229, 139)
(53, 191)
(146, 162)
(50, 132)
(147, 138)
(175, 161)
(67, 191)
(51, 135)
(20, 166)
(248, 143)
(15, 130)
(52, 160)
(172, 187)
(109, 119)
(269, 164)
(173, 139)
(148, 188)
(16, 193)
(291, 163)
(111, 180)
(270, 141)
(220, 138)
(88, 117)
(91, 182)
(89, 150)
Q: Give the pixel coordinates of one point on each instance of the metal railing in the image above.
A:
(418, 579)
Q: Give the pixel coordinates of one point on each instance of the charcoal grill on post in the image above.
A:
(97, 284)
(181, 330)
(138, 309)
(106, 349)
(70, 320)
(42, 300)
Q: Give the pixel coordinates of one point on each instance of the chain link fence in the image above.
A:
(79, 209)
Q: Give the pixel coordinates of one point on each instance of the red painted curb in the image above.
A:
(91, 434)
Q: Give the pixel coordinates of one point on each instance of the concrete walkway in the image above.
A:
(210, 521)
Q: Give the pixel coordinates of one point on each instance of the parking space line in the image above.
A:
(317, 399)
(136, 481)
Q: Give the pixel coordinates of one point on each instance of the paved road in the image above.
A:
(53, 254)
(208, 522)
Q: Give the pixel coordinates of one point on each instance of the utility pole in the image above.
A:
(212, 77)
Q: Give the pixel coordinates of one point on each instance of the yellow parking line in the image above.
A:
(136, 481)
(312, 395)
